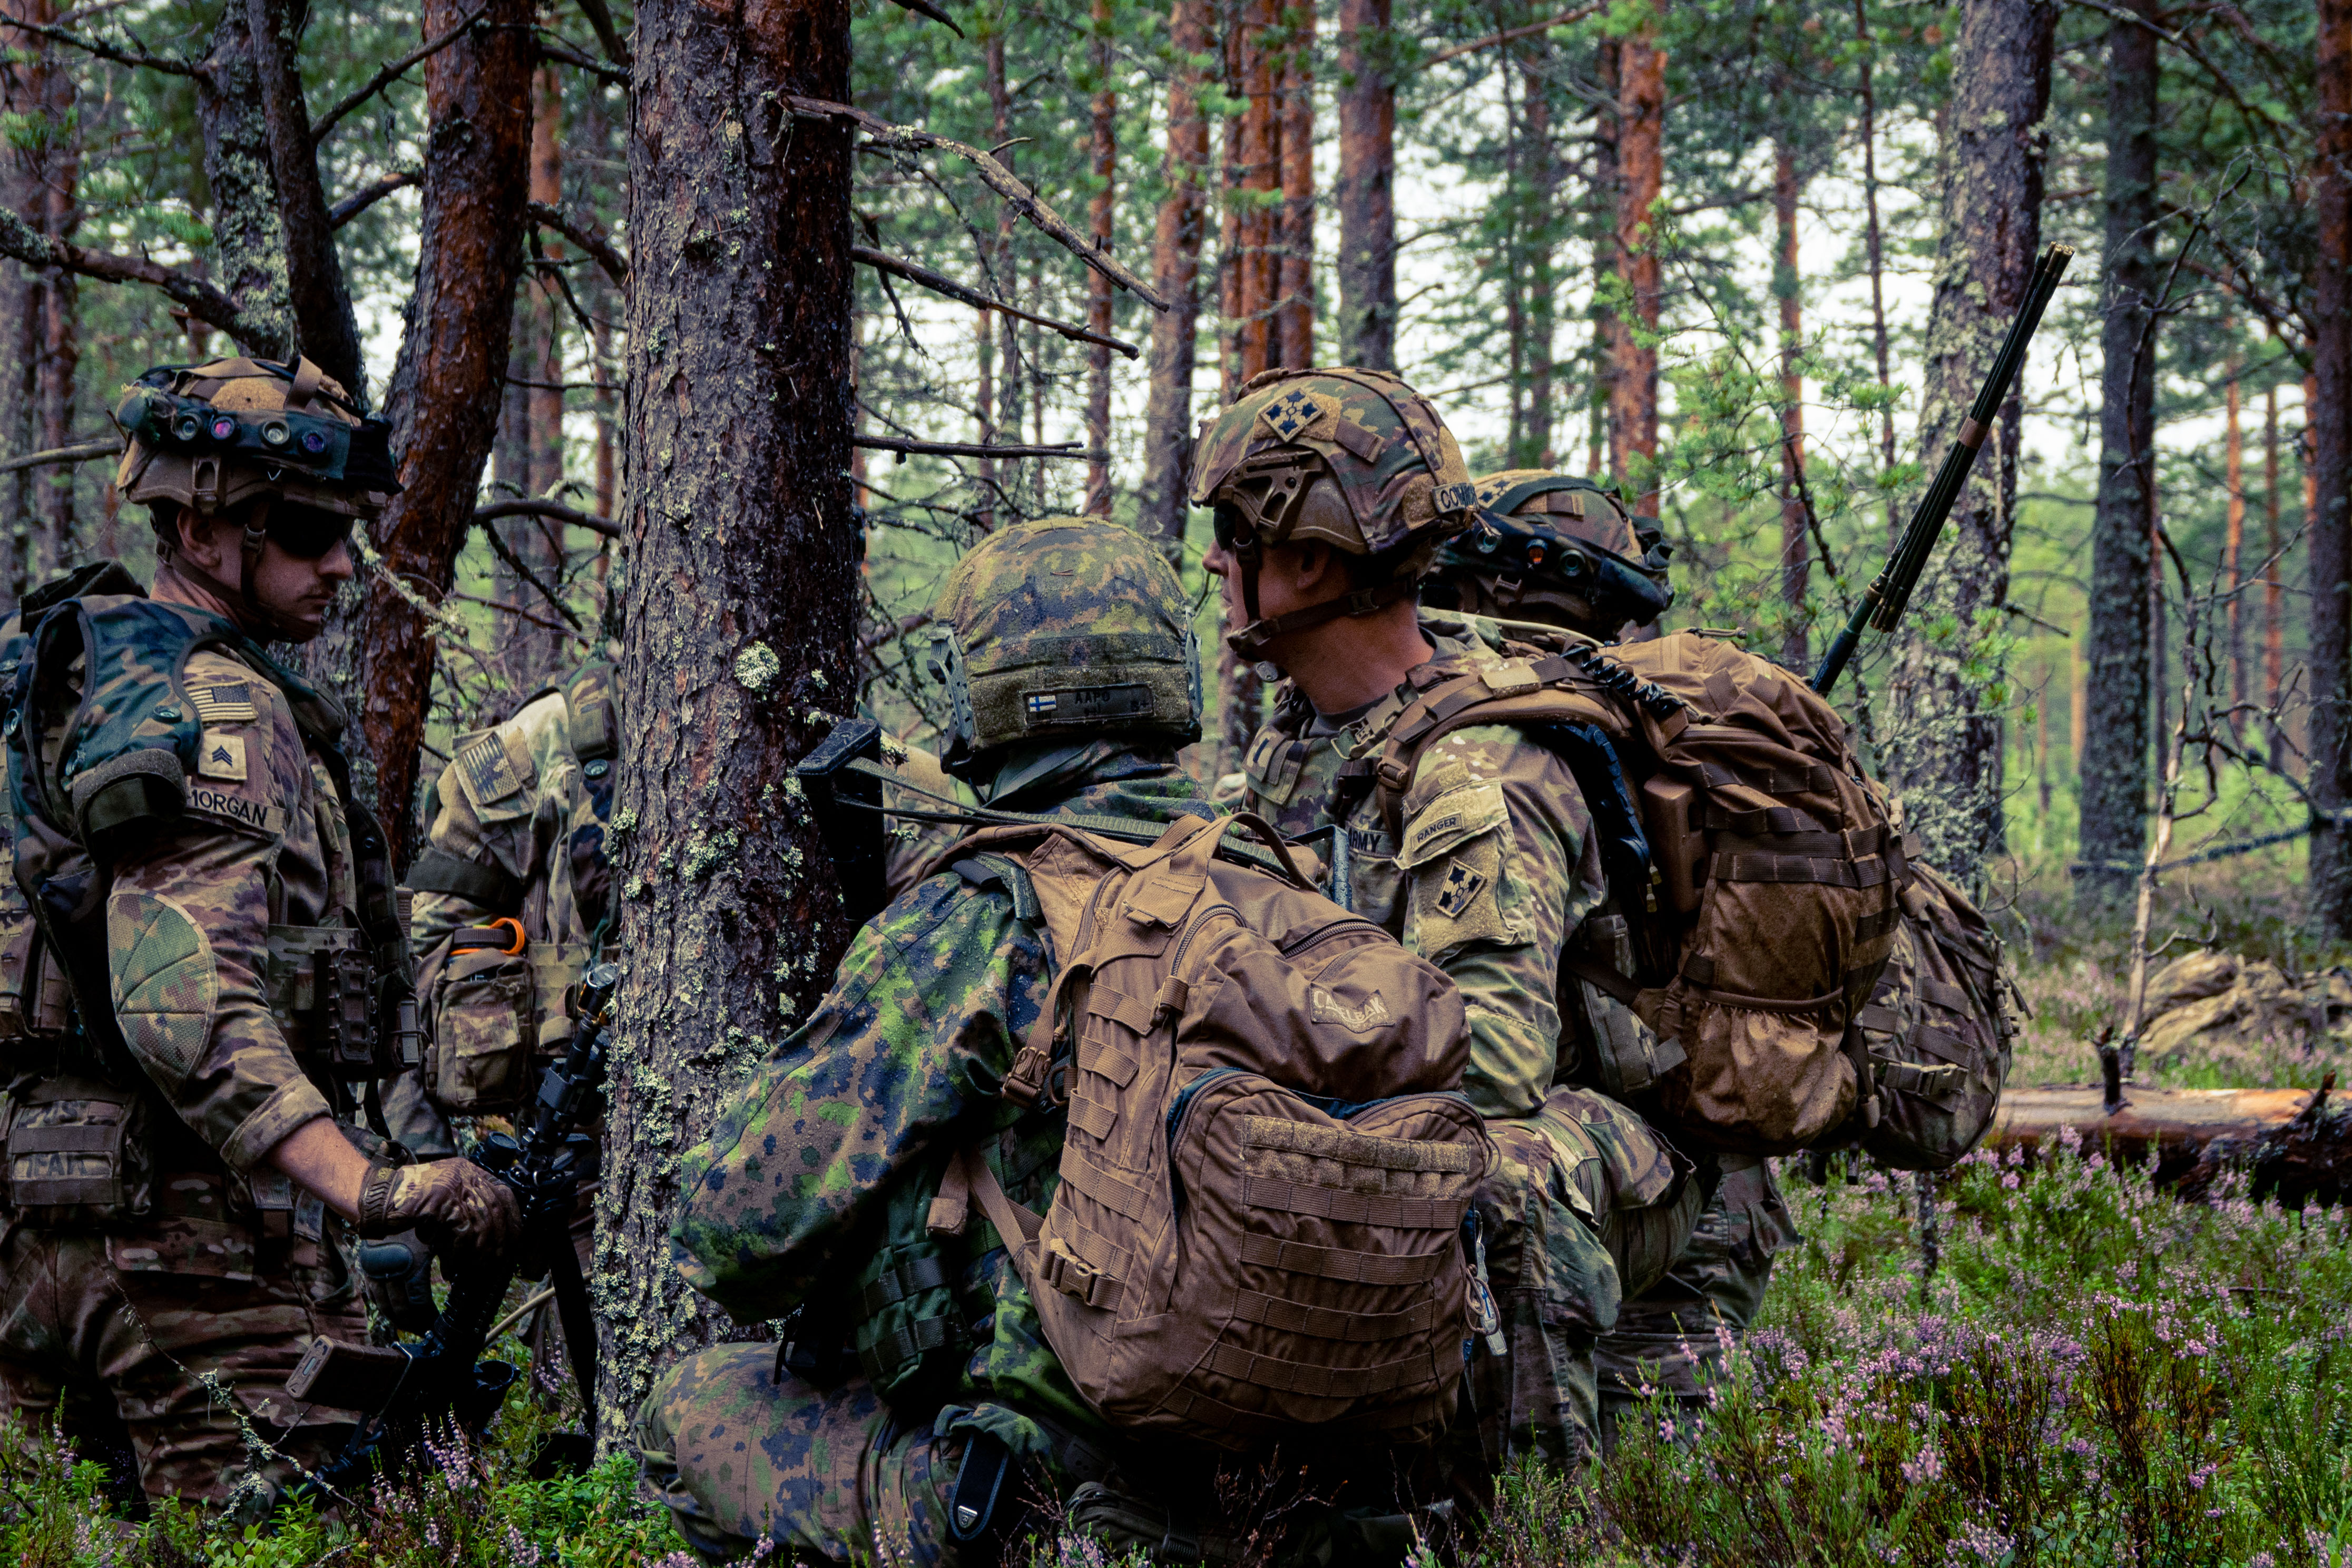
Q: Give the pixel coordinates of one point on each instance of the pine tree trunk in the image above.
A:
(1875, 248)
(249, 236)
(1293, 321)
(1944, 747)
(1367, 187)
(1796, 545)
(1633, 348)
(2115, 761)
(444, 397)
(2273, 579)
(1261, 169)
(60, 344)
(1176, 270)
(538, 652)
(1540, 167)
(2330, 418)
(2233, 544)
(1099, 206)
(743, 611)
(24, 82)
(314, 269)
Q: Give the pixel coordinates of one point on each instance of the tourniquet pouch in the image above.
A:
(485, 1028)
(554, 965)
(78, 1154)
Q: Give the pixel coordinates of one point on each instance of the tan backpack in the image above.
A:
(1258, 1230)
(1757, 872)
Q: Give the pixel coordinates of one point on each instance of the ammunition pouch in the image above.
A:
(496, 1011)
(36, 998)
(320, 983)
(78, 1154)
(910, 1328)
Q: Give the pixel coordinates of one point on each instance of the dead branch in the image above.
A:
(969, 449)
(392, 71)
(554, 509)
(997, 177)
(589, 236)
(1510, 35)
(108, 447)
(600, 18)
(200, 299)
(170, 65)
(925, 8)
(2293, 1142)
(505, 552)
(563, 55)
(367, 196)
(941, 283)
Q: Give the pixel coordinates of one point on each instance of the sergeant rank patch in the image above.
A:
(221, 755)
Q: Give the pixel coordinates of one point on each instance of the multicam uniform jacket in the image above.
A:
(149, 1248)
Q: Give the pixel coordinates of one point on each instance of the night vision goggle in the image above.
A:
(1525, 554)
(332, 452)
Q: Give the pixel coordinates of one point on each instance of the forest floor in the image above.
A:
(2089, 1372)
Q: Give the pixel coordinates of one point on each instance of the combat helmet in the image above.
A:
(1069, 627)
(1352, 459)
(213, 436)
(1557, 549)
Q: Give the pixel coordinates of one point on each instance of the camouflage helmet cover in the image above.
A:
(212, 437)
(1396, 467)
(1557, 549)
(1069, 626)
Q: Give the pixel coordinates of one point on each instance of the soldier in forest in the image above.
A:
(906, 1348)
(1332, 490)
(1553, 550)
(207, 969)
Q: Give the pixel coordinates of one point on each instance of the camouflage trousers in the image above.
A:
(1582, 1197)
(1674, 1337)
(740, 1452)
(182, 1329)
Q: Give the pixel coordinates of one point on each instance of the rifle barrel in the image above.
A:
(1882, 606)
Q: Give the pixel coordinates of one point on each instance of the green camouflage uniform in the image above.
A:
(171, 1275)
(1493, 871)
(834, 1148)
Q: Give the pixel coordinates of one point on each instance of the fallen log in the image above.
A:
(2295, 1143)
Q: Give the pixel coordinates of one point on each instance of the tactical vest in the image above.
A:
(101, 739)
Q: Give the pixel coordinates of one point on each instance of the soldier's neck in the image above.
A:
(176, 585)
(1342, 664)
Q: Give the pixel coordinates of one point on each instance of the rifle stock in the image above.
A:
(1889, 594)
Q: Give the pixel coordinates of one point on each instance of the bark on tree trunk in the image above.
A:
(2330, 418)
(536, 652)
(60, 344)
(742, 610)
(2114, 760)
(1796, 545)
(444, 397)
(1261, 170)
(1874, 240)
(1099, 208)
(1608, 70)
(1540, 166)
(2273, 579)
(1632, 350)
(2234, 465)
(1293, 323)
(248, 236)
(24, 84)
(314, 269)
(1945, 746)
(1176, 270)
(1367, 187)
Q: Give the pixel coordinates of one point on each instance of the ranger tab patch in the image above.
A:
(221, 755)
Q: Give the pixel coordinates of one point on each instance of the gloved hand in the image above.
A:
(398, 1274)
(453, 1202)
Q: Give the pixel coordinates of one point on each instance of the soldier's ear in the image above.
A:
(193, 538)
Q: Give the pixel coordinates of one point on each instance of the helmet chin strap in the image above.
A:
(246, 592)
(1250, 641)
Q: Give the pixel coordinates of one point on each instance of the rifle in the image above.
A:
(1883, 604)
(442, 1376)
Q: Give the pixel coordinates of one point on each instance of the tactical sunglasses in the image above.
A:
(306, 532)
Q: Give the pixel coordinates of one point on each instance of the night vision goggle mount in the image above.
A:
(326, 450)
(1522, 556)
